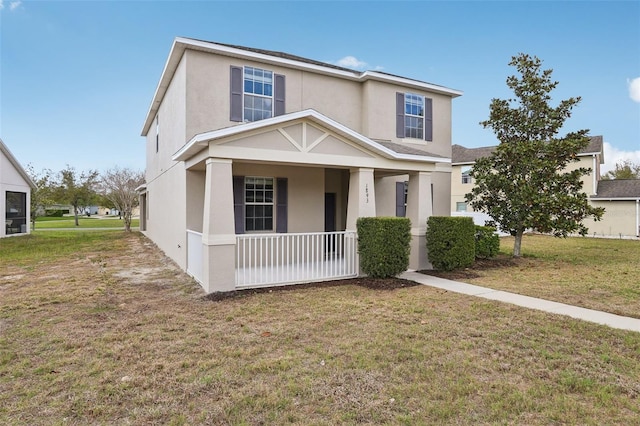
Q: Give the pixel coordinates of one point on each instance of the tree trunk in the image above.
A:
(517, 243)
(75, 214)
(127, 221)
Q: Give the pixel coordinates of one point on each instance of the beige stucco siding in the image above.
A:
(588, 183)
(166, 223)
(458, 189)
(379, 116)
(172, 120)
(619, 219)
(441, 182)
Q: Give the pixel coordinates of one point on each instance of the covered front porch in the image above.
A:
(280, 206)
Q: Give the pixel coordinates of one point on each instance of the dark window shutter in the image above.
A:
(400, 115)
(238, 203)
(279, 95)
(428, 119)
(281, 205)
(401, 210)
(236, 94)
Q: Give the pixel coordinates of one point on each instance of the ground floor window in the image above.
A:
(258, 203)
(461, 207)
(16, 213)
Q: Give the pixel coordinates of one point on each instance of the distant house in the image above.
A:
(15, 195)
(619, 198)
(260, 162)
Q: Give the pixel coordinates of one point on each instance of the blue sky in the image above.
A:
(77, 77)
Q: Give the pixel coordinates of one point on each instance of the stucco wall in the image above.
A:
(171, 127)
(166, 223)
(619, 219)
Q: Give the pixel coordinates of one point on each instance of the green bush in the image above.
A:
(54, 213)
(383, 244)
(450, 242)
(487, 242)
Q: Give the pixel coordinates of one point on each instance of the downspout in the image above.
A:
(638, 217)
(595, 180)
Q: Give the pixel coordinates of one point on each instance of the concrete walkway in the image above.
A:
(598, 317)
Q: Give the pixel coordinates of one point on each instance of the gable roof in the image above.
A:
(385, 149)
(619, 189)
(180, 44)
(5, 150)
(462, 155)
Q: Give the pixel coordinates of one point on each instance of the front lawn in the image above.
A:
(595, 273)
(114, 333)
(83, 221)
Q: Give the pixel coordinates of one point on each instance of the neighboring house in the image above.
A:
(259, 163)
(619, 199)
(15, 195)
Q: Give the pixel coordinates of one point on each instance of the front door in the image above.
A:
(330, 221)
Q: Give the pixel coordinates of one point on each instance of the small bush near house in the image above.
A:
(383, 244)
(487, 242)
(450, 242)
(55, 213)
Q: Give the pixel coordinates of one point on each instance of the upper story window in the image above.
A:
(256, 94)
(466, 178)
(414, 116)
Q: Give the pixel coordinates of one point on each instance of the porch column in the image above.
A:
(362, 197)
(218, 228)
(419, 208)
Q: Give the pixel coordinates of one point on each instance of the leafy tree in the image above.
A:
(42, 195)
(78, 190)
(625, 169)
(524, 184)
(118, 185)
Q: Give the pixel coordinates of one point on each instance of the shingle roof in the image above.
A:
(618, 188)
(461, 155)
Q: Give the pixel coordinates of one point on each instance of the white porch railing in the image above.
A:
(194, 255)
(273, 259)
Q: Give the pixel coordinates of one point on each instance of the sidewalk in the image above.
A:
(598, 317)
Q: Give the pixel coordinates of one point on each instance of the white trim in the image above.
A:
(218, 239)
(16, 164)
(614, 199)
(180, 44)
(638, 218)
(200, 141)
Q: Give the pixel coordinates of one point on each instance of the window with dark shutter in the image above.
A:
(236, 94)
(279, 95)
(400, 115)
(428, 119)
(281, 204)
(238, 203)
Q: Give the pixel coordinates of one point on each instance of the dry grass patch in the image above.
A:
(595, 273)
(119, 335)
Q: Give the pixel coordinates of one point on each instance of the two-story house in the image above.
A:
(621, 199)
(15, 194)
(259, 163)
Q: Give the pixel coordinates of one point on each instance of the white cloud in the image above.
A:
(14, 5)
(613, 155)
(352, 62)
(634, 89)
(1, 4)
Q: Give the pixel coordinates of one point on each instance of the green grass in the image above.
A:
(595, 273)
(84, 222)
(114, 334)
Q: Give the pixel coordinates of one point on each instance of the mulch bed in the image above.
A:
(370, 283)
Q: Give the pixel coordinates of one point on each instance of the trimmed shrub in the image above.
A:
(487, 242)
(383, 245)
(450, 242)
(54, 213)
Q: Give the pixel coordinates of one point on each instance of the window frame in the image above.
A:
(409, 116)
(255, 95)
(460, 204)
(21, 220)
(254, 203)
(464, 173)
